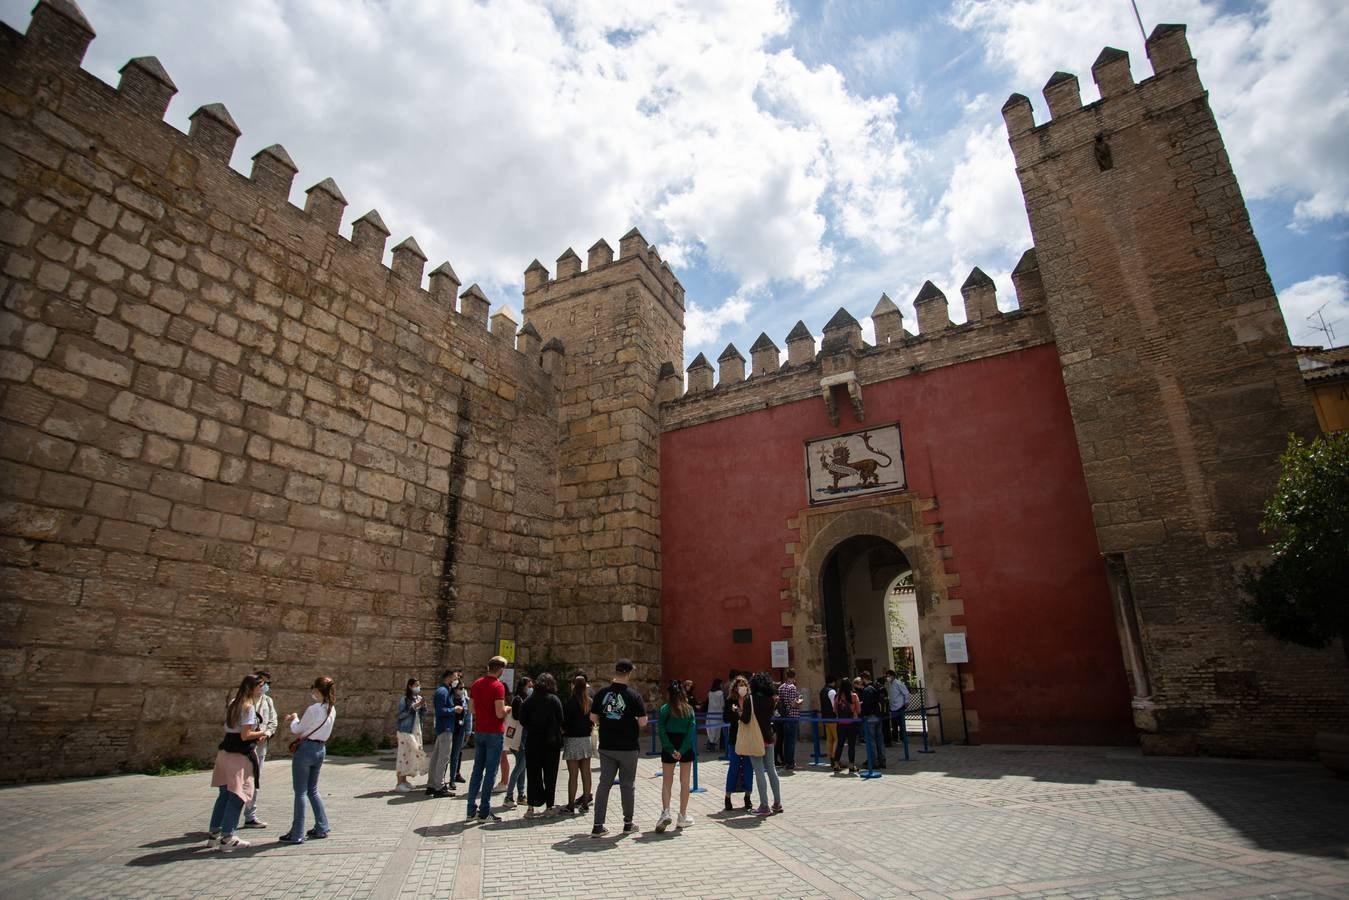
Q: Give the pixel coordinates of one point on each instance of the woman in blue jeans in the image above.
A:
(516, 784)
(757, 711)
(737, 769)
(313, 728)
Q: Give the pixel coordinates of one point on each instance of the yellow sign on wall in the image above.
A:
(507, 649)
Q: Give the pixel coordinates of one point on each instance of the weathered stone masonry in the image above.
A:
(230, 435)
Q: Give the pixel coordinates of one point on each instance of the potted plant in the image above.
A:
(1301, 595)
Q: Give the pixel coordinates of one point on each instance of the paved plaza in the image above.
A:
(961, 822)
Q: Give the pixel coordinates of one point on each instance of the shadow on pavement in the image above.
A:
(191, 837)
(584, 843)
(1276, 805)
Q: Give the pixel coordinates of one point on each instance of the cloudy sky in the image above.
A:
(786, 158)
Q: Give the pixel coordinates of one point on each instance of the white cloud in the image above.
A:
(1300, 302)
(496, 132)
(702, 326)
(982, 211)
(1284, 121)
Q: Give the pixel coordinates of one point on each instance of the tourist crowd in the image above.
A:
(523, 734)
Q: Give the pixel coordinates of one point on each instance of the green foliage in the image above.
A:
(361, 746)
(1302, 596)
(174, 765)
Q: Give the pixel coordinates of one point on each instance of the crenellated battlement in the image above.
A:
(712, 394)
(637, 260)
(1123, 104)
(55, 44)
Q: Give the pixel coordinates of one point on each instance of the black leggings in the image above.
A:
(847, 733)
(541, 774)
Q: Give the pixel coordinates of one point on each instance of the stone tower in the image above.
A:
(617, 321)
(1182, 385)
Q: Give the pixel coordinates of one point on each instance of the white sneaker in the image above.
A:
(403, 787)
(685, 821)
(665, 821)
(213, 842)
(232, 843)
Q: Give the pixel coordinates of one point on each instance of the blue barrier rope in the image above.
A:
(701, 724)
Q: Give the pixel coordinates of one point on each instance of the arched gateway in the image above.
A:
(849, 558)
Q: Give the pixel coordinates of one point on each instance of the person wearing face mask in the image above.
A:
(445, 710)
(236, 766)
(737, 766)
(266, 711)
(313, 730)
(411, 760)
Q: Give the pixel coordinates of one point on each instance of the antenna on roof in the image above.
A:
(1141, 29)
(1326, 328)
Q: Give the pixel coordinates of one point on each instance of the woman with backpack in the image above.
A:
(737, 767)
(848, 711)
(757, 712)
(677, 725)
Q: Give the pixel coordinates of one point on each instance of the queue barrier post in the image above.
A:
(815, 737)
(904, 734)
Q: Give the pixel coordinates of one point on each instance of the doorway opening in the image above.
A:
(869, 610)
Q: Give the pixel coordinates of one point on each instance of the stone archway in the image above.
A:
(910, 523)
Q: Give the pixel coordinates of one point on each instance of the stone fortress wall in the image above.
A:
(1183, 387)
(232, 436)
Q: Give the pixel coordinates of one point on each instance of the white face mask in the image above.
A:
(743, 690)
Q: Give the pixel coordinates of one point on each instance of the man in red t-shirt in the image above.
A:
(488, 696)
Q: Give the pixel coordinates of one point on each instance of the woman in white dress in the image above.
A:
(411, 760)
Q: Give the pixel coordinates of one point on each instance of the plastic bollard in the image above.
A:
(815, 736)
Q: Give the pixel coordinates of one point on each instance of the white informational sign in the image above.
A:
(956, 649)
(780, 654)
(508, 679)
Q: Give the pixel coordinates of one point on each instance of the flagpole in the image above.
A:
(1141, 30)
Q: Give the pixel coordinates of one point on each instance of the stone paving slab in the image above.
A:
(965, 822)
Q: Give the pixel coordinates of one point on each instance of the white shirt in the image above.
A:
(313, 720)
(247, 716)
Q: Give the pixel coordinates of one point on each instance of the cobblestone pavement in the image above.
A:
(962, 822)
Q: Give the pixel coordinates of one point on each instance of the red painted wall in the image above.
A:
(993, 441)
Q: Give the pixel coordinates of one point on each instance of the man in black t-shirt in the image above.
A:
(873, 701)
(620, 714)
